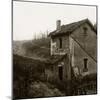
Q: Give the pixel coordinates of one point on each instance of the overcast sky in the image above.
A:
(35, 18)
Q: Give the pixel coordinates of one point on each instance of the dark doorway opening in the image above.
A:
(60, 72)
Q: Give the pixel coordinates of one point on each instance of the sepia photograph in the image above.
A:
(54, 49)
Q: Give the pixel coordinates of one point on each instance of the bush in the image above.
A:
(40, 89)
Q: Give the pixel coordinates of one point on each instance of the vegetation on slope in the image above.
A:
(39, 48)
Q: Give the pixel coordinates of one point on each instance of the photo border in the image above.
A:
(58, 3)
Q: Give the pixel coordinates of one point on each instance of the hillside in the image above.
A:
(39, 48)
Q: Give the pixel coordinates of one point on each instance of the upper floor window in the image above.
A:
(85, 31)
(60, 42)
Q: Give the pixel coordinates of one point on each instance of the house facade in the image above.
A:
(74, 46)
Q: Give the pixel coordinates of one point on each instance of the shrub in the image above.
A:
(40, 89)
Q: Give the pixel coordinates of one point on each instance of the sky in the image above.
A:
(30, 19)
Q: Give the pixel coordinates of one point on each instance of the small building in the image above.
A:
(73, 47)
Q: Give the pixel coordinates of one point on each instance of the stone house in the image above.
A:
(73, 47)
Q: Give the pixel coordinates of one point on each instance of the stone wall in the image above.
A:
(52, 71)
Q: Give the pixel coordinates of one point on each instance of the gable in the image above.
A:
(88, 42)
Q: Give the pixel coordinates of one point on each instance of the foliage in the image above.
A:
(24, 71)
(37, 48)
(40, 89)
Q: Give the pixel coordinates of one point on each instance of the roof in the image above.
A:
(69, 28)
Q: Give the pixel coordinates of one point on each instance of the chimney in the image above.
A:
(58, 25)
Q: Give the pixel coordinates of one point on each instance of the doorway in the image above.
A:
(60, 73)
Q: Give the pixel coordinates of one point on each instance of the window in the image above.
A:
(60, 42)
(85, 69)
(85, 31)
(60, 72)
